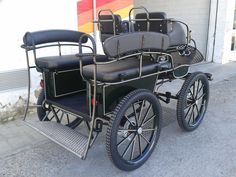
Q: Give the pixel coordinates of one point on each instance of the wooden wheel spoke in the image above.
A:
(203, 104)
(190, 117)
(127, 148)
(128, 130)
(139, 145)
(150, 129)
(129, 120)
(135, 114)
(188, 112)
(147, 112)
(145, 139)
(201, 96)
(123, 140)
(193, 115)
(201, 88)
(148, 120)
(194, 89)
(189, 106)
(192, 94)
(197, 91)
(141, 110)
(132, 149)
(197, 109)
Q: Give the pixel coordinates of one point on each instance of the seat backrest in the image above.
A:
(106, 25)
(155, 26)
(129, 43)
(177, 34)
(48, 36)
(125, 26)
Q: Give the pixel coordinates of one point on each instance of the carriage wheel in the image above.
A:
(134, 129)
(47, 113)
(193, 101)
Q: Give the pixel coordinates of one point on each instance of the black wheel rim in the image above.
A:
(137, 131)
(196, 103)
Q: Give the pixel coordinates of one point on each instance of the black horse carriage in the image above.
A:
(120, 89)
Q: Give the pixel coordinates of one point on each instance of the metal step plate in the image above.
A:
(62, 135)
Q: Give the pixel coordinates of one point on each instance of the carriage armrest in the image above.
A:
(48, 36)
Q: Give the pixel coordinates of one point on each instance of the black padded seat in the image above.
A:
(120, 70)
(174, 30)
(106, 28)
(155, 26)
(66, 62)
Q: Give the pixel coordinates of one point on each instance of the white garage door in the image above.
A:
(194, 13)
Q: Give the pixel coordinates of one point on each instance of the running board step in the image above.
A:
(70, 139)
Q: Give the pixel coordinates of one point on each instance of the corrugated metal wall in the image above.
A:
(194, 13)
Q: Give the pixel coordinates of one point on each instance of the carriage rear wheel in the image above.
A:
(193, 101)
(134, 129)
(47, 113)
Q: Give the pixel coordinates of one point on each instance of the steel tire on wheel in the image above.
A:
(193, 101)
(134, 129)
(71, 122)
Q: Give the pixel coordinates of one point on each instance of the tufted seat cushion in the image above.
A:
(65, 62)
(121, 70)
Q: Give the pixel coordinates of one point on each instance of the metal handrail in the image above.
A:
(93, 54)
(100, 21)
(134, 20)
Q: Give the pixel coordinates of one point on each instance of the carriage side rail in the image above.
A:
(119, 57)
(42, 39)
(149, 20)
(99, 21)
(134, 20)
(91, 139)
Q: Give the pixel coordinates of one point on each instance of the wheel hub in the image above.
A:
(140, 130)
(128, 125)
(196, 102)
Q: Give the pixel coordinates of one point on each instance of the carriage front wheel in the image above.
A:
(192, 102)
(134, 129)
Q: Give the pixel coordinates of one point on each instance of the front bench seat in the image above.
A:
(66, 62)
(128, 68)
(121, 70)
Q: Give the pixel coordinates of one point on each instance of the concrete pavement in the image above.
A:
(210, 151)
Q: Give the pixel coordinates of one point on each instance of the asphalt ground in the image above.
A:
(210, 151)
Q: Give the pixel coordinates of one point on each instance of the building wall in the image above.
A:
(220, 31)
(194, 13)
(223, 33)
(18, 17)
(211, 22)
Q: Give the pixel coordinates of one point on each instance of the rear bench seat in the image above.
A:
(50, 63)
(174, 30)
(66, 62)
(128, 68)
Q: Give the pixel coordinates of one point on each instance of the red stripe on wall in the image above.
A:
(86, 5)
(114, 6)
